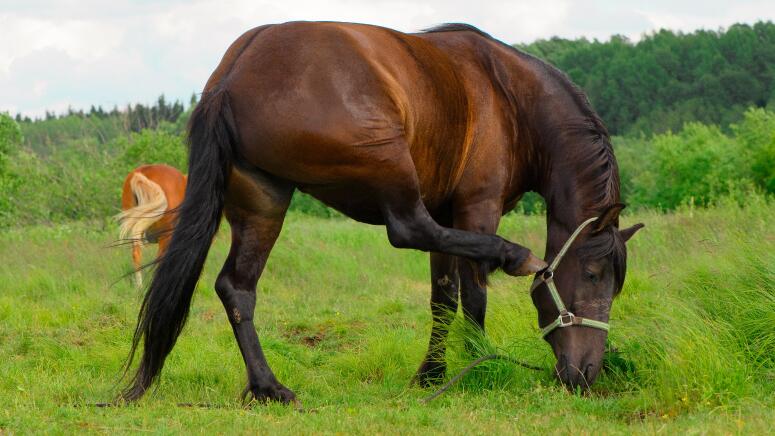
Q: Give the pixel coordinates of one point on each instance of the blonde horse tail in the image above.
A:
(151, 203)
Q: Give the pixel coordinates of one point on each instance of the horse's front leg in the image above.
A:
(444, 291)
(479, 217)
(410, 225)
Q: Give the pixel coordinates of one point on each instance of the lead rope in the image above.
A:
(565, 319)
(471, 366)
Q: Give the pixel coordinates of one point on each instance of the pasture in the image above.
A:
(344, 321)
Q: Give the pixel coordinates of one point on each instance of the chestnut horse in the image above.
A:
(149, 197)
(434, 135)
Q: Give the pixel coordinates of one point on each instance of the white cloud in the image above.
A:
(712, 16)
(80, 39)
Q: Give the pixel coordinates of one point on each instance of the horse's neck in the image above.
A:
(547, 109)
(563, 206)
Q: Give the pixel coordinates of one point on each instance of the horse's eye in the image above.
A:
(592, 277)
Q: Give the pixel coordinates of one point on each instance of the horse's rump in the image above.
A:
(316, 102)
(150, 205)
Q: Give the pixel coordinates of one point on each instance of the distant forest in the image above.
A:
(667, 78)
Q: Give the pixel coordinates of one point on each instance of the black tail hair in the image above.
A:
(212, 135)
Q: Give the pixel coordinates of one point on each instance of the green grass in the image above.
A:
(344, 321)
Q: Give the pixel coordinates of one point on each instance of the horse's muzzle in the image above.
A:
(576, 373)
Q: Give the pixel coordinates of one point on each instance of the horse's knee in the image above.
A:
(412, 232)
(409, 234)
(399, 235)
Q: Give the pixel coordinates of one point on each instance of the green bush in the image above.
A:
(10, 140)
(756, 139)
(10, 135)
(81, 177)
(152, 146)
(696, 165)
(699, 164)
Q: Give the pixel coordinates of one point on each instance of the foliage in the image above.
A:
(696, 165)
(699, 164)
(42, 136)
(756, 136)
(344, 321)
(10, 140)
(152, 146)
(10, 135)
(84, 178)
(667, 79)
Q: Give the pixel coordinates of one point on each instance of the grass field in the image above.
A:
(344, 321)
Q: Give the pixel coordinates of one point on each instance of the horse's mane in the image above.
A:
(595, 163)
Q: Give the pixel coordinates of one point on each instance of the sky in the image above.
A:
(56, 54)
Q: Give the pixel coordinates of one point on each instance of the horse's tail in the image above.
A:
(212, 136)
(150, 204)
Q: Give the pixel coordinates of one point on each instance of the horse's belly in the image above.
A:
(355, 203)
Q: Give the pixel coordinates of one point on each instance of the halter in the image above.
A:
(565, 319)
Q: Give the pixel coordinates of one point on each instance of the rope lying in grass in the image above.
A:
(471, 366)
(425, 400)
(199, 405)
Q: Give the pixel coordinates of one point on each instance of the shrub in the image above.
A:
(152, 146)
(756, 139)
(696, 165)
(10, 140)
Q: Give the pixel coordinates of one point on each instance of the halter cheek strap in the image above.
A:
(566, 318)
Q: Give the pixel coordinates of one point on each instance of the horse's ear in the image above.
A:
(608, 217)
(629, 231)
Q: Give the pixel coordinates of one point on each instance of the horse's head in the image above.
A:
(589, 273)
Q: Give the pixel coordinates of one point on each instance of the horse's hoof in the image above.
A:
(429, 374)
(265, 394)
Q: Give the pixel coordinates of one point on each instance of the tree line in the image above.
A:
(670, 78)
(53, 130)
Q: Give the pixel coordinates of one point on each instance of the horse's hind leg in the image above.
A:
(255, 208)
(444, 290)
(137, 260)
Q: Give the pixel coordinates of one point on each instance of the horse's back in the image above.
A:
(328, 106)
(313, 100)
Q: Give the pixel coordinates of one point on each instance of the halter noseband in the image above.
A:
(565, 319)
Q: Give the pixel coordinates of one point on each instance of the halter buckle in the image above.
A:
(547, 275)
(570, 318)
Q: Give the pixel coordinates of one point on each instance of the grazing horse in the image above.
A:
(149, 192)
(434, 135)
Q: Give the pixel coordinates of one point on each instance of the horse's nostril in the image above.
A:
(561, 369)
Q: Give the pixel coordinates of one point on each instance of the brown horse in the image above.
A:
(149, 197)
(435, 135)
